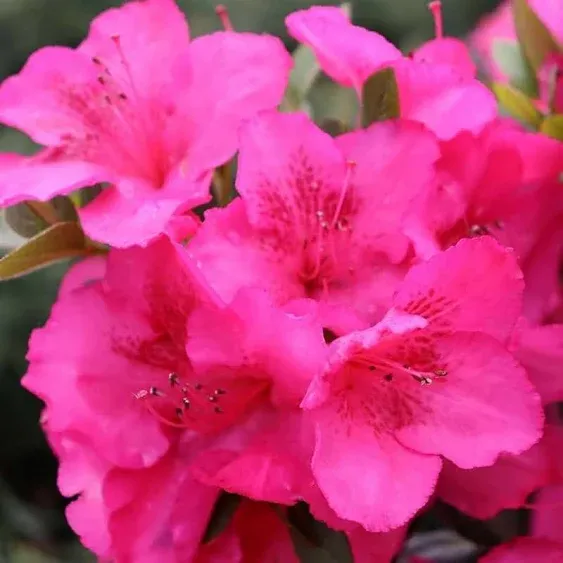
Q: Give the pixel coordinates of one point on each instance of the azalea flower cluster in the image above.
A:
(370, 326)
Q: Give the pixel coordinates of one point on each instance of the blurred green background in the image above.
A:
(32, 526)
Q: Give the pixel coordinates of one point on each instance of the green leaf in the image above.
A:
(223, 183)
(553, 126)
(31, 217)
(58, 242)
(512, 62)
(380, 97)
(536, 39)
(303, 75)
(333, 127)
(517, 104)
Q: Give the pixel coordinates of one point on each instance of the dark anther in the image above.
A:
(173, 378)
(478, 230)
(218, 410)
(371, 368)
(107, 99)
(186, 403)
(154, 391)
(122, 96)
(219, 392)
(388, 377)
(179, 413)
(198, 386)
(441, 372)
(101, 80)
(212, 398)
(96, 61)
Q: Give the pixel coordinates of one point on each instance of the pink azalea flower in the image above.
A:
(139, 380)
(431, 380)
(436, 86)
(256, 533)
(140, 107)
(526, 550)
(309, 222)
(503, 182)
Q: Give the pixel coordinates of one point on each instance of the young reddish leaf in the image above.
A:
(61, 241)
(380, 97)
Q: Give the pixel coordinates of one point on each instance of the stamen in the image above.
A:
(223, 13)
(436, 8)
(350, 166)
(422, 377)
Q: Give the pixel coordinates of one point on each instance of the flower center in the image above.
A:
(203, 407)
(322, 247)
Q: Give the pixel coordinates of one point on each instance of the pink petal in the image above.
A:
(44, 176)
(380, 153)
(80, 320)
(475, 285)
(447, 51)
(281, 155)
(541, 270)
(546, 515)
(123, 219)
(83, 273)
(263, 534)
(138, 43)
(438, 97)
(526, 550)
(47, 98)
(485, 491)
(235, 75)
(347, 53)
(483, 407)
(368, 477)
(369, 547)
(261, 341)
(158, 509)
(540, 351)
(266, 458)
(226, 241)
(256, 533)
